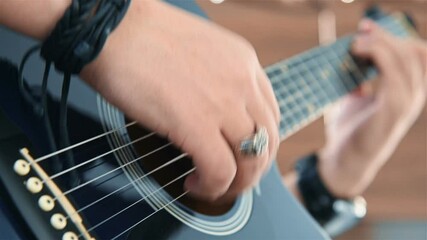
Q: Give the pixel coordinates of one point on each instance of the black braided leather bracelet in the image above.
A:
(81, 33)
(76, 40)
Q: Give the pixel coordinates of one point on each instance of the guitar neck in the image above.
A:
(306, 84)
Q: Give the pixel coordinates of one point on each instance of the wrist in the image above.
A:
(32, 18)
(134, 22)
(344, 177)
(334, 213)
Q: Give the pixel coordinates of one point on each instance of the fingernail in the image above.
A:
(191, 182)
(365, 25)
(358, 92)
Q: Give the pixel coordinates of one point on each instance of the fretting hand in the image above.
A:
(364, 129)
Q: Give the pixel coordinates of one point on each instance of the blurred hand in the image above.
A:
(364, 129)
(194, 82)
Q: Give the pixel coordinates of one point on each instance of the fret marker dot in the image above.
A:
(310, 108)
(284, 68)
(325, 74)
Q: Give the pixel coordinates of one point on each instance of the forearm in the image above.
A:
(34, 18)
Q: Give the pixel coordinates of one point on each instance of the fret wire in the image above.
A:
(292, 62)
(290, 76)
(289, 111)
(313, 63)
(328, 81)
(310, 114)
(296, 74)
(341, 77)
(352, 63)
(324, 78)
(291, 70)
(309, 90)
(392, 25)
(296, 88)
(315, 81)
(317, 104)
(303, 104)
(388, 21)
(396, 28)
(289, 114)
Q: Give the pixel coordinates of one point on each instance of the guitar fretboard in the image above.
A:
(306, 84)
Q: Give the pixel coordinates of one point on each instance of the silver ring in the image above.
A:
(255, 145)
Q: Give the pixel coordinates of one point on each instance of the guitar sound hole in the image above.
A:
(167, 174)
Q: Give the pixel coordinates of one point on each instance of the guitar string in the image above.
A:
(123, 210)
(150, 215)
(109, 172)
(113, 170)
(121, 188)
(291, 78)
(137, 223)
(83, 142)
(128, 229)
(102, 155)
(97, 157)
(389, 25)
(132, 123)
(140, 200)
(117, 168)
(56, 175)
(142, 220)
(39, 159)
(285, 91)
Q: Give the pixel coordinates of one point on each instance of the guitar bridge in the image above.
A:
(46, 202)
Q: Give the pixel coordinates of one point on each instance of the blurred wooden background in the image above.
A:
(281, 28)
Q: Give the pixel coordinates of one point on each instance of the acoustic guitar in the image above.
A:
(117, 180)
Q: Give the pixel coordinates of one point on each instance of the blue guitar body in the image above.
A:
(111, 194)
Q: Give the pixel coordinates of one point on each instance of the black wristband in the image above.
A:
(318, 200)
(81, 33)
(335, 215)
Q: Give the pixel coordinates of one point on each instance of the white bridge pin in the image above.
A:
(46, 203)
(69, 236)
(58, 221)
(34, 185)
(21, 167)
